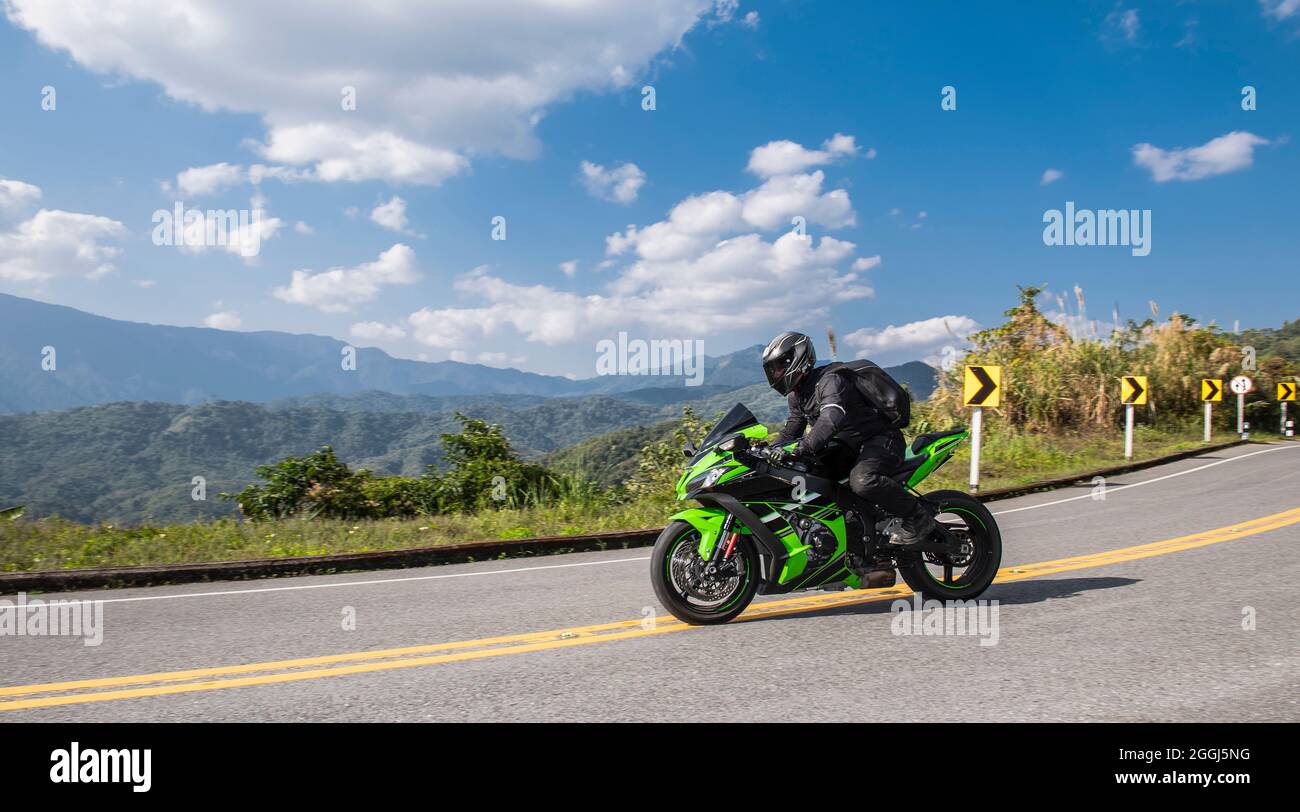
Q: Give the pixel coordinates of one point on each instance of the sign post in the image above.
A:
(1285, 393)
(981, 386)
(1240, 385)
(1133, 392)
(1211, 393)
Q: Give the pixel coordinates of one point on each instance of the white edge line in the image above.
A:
(350, 583)
(1145, 482)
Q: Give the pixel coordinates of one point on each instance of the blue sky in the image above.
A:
(490, 108)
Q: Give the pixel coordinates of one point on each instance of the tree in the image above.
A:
(486, 473)
(660, 463)
(316, 485)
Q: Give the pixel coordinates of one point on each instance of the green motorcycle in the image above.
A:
(768, 527)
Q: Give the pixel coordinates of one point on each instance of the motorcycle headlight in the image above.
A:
(712, 477)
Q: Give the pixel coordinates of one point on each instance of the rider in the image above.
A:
(835, 408)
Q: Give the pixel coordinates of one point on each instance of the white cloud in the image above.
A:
(862, 264)
(1218, 156)
(377, 331)
(59, 243)
(918, 337)
(724, 10)
(200, 181)
(260, 172)
(302, 228)
(223, 320)
(17, 197)
(1051, 176)
(786, 157)
(143, 283)
(1125, 24)
(569, 268)
(391, 215)
(343, 153)
(783, 197)
(340, 289)
(785, 279)
(697, 223)
(1080, 326)
(1280, 9)
(244, 231)
(693, 259)
(203, 181)
(428, 91)
(617, 185)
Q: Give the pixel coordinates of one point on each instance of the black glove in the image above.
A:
(783, 458)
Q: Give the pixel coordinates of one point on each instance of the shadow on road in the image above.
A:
(1018, 592)
(1013, 594)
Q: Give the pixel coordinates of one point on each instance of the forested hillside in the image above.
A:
(131, 461)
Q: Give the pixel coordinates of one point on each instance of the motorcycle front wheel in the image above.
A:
(688, 591)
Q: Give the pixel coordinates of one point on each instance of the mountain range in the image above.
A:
(130, 413)
(101, 360)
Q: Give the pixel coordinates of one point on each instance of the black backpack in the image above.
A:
(881, 392)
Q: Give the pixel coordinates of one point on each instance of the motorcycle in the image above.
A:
(768, 526)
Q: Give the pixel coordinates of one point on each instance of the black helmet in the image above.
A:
(787, 359)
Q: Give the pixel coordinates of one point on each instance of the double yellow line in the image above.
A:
(107, 689)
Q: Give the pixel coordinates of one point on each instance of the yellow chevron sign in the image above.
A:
(1133, 390)
(1286, 390)
(982, 386)
(1211, 390)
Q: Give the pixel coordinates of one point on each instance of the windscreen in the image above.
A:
(733, 421)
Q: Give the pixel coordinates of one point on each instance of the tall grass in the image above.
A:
(1056, 382)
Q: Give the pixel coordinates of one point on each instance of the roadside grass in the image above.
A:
(53, 543)
(1015, 459)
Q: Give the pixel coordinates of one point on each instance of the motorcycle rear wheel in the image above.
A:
(936, 576)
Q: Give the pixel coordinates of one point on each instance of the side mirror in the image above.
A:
(689, 449)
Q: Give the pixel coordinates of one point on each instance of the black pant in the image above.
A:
(869, 479)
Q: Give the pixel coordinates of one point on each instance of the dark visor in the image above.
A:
(775, 370)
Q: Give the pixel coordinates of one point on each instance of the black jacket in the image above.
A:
(834, 408)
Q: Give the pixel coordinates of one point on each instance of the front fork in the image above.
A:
(727, 543)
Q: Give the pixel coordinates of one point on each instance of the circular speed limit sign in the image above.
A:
(1240, 385)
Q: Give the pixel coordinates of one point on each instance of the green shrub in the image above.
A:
(484, 474)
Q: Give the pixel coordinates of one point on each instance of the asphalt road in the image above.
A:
(1155, 633)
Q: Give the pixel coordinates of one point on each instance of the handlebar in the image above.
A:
(766, 454)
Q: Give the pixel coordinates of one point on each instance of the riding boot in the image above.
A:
(913, 528)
